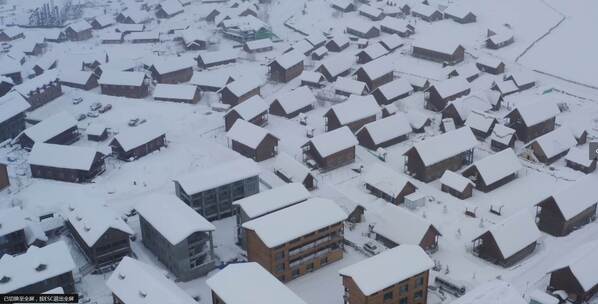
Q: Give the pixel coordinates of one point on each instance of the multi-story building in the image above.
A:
(211, 191)
(12, 232)
(298, 239)
(395, 276)
(186, 248)
(12, 121)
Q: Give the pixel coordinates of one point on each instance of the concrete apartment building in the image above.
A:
(297, 240)
(186, 248)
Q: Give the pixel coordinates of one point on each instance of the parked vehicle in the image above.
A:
(95, 106)
(92, 114)
(77, 100)
(133, 122)
(372, 248)
(105, 108)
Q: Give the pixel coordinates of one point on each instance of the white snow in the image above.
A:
(92, 220)
(50, 127)
(579, 155)
(334, 141)
(387, 128)
(515, 233)
(350, 86)
(579, 196)
(61, 156)
(111, 77)
(556, 142)
(12, 104)
(217, 175)
(400, 225)
(251, 107)
(395, 88)
(356, 108)
(479, 121)
(274, 199)
(497, 166)
(492, 292)
(455, 181)
(175, 91)
(582, 263)
(247, 133)
(441, 147)
(298, 98)
(290, 167)
(451, 87)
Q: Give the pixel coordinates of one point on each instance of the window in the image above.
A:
(324, 261)
(295, 273)
(388, 296)
(420, 281)
(418, 295)
(309, 267)
(403, 301)
(279, 255)
(279, 267)
(404, 288)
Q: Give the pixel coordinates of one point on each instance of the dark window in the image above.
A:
(295, 273)
(404, 288)
(418, 295)
(388, 296)
(420, 281)
(403, 301)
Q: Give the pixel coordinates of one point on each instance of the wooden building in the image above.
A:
(343, 6)
(370, 12)
(456, 185)
(499, 40)
(12, 120)
(446, 52)
(363, 30)
(4, 179)
(469, 71)
(239, 91)
(312, 79)
(40, 90)
(490, 65)
(292, 171)
(371, 52)
(286, 67)
(353, 113)
(494, 171)
(137, 142)
(319, 53)
(481, 124)
(330, 150)
(426, 162)
(376, 73)
(253, 110)
(551, 146)
(338, 43)
(124, 84)
(99, 232)
(391, 42)
(185, 93)
(502, 138)
(426, 12)
(83, 80)
(397, 226)
(210, 81)
(288, 246)
(230, 286)
(569, 209)
(346, 87)
(397, 26)
(38, 270)
(292, 103)
(172, 70)
(459, 14)
(577, 159)
(439, 95)
(509, 241)
(78, 31)
(60, 128)
(523, 80)
(65, 163)
(169, 9)
(385, 132)
(211, 191)
(401, 276)
(11, 33)
(258, 46)
(533, 119)
(574, 274)
(252, 141)
(335, 66)
(15, 231)
(387, 184)
(207, 60)
(393, 91)
(100, 22)
(97, 132)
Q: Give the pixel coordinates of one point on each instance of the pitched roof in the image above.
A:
(177, 91)
(162, 210)
(171, 7)
(455, 181)
(80, 26)
(62, 156)
(556, 142)
(387, 128)
(441, 45)
(334, 141)
(378, 67)
(374, 51)
(259, 44)
(337, 64)
(289, 223)
(250, 108)
(480, 121)
(213, 78)
(112, 77)
(11, 105)
(50, 127)
(350, 85)
(215, 176)
(395, 88)
(582, 263)
(91, 220)
(173, 64)
(452, 143)
(577, 197)
(355, 108)
(274, 199)
(296, 99)
(388, 268)
(515, 233)
(132, 138)
(291, 168)
(247, 133)
(451, 87)
(385, 179)
(233, 286)
(502, 134)
(579, 156)
(241, 86)
(497, 166)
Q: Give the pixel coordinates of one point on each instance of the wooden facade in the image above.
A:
(90, 83)
(581, 167)
(528, 133)
(565, 279)
(416, 167)
(485, 247)
(281, 74)
(552, 221)
(110, 248)
(460, 194)
(66, 137)
(231, 117)
(230, 98)
(70, 175)
(393, 198)
(436, 102)
(365, 140)
(329, 162)
(266, 149)
(140, 91)
(139, 151)
(333, 123)
(44, 94)
(413, 290)
(458, 55)
(473, 173)
(4, 180)
(374, 82)
(178, 76)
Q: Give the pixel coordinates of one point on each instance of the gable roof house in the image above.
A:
(84, 80)
(210, 81)
(330, 150)
(437, 96)
(65, 163)
(252, 141)
(335, 66)
(490, 65)
(137, 142)
(12, 115)
(169, 9)
(499, 40)
(385, 132)
(577, 159)
(253, 110)
(469, 71)
(370, 12)
(391, 42)
(533, 119)
(177, 93)
(258, 46)
(575, 273)
(509, 241)
(343, 5)
(387, 184)
(207, 60)
(481, 124)
(312, 79)
(427, 162)
(551, 146)
(456, 185)
(446, 52)
(371, 52)
(426, 12)
(99, 231)
(569, 209)
(392, 91)
(494, 171)
(363, 30)
(523, 80)
(292, 103)
(287, 66)
(502, 138)
(172, 69)
(60, 128)
(292, 171)
(337, 43)
(459, 14)
(239, 91)
(124, 84)
(346, 87)
(354, 113)
(397, 26)
(55, 36)
(11, 33)
(396, 226)
(41, 90)
(101, 22)
(376, 73)
(78, 31)
(194, 39)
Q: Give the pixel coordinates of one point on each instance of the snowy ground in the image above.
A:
(196, 139)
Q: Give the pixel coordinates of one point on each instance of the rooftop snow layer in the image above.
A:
(455, 180)
(273, 199)
(444, 146)
(515, 233)
(212, 177)
(91, 220)
(334, 141)
(247, 133)
(62, 156)
(11, 105)
(497, 166)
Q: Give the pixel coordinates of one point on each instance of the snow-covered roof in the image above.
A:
(385, 179)
(11, 220)
(577, 197)
(177, 91)
(135, 282)
(479, 121)
(171, 7)
(582, 263)
(91, 220)
(515, 233)
(388, 268)
(457, 11)
(104, 20)
(489, 61)
(62, 156)
(225, 173)
(80, 26)
(242, 86)
(95, 128)
(444, 45)
(467, 70)
(219, 56)
(444, 146)
(50, 127)
(502, 134)
(273, 199)
(120, 78)
(387, 128)
(75, 76)
(162, 210)
(37, 83)
(12, 31)
(290, 167)
(493, 292)
(579, 156)
(11, 105)
(313, 77)
(173, 64)
(506, 86)
(395, 24)
(151, 35)
(362, 27)
(370, 10)
(24, 269)
(132, 138)
(395, 88)
(522, 77)
(251, 107)
(417, 120)
(315, 38)
(392, 41)
(374, 51)
(455, 180)
(296, 99)
(341, 3)
(337, 64)
(378, 67)
(127, 27)
(216, 79)
(451, 87)
(536, 112)
(290, 223)
(247, 133)
(497, 166)
(259, 44)
(340, 40)
(250, 283)
(9, 65)
(355, 108)
(556, 142)
(290, 59)
(426, 10)
(350, 85)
